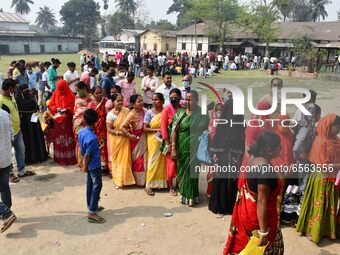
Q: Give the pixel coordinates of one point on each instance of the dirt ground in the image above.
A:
(51, 212)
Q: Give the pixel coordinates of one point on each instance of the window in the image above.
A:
(4, 49)
(184, 46)
(155, 47)
(199, 46)
(167, 46)
(60, 48)
(42, 48)
(145, 46)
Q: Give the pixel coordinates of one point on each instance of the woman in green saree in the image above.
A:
(187, 125)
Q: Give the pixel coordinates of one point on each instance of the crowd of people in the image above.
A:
(102, 125)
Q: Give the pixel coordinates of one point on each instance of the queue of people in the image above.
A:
(151, 141)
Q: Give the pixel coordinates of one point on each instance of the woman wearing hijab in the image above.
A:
(61, 106)
(319, 207)
(226, 148)
(31, 131)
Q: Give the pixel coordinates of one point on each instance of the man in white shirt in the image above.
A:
(149, 85)
(226, 62)
(7, 137)
(220, 60)
(44, 80)
(71, 76)
(166, 87)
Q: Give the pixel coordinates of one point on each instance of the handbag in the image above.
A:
(202, 150)
(253, 247)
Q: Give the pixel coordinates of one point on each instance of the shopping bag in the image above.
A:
(202, 150)
(253, 247)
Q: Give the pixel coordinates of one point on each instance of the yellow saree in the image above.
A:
(120, 153)
(156, 167)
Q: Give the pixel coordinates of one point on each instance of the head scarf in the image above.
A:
(325, 149)
(62, 97)
(286, 155)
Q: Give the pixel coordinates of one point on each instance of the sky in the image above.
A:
(156, 9)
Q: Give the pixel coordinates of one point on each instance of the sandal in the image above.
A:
(149, 192)
(97, 219)
(26, 174)
(100, 208)
(173, 192)
(8, 222)
(13, 179)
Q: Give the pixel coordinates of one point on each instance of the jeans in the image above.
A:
(19, 148)
(5, 190)
(137, 70)
(93, 188)
(5, 212)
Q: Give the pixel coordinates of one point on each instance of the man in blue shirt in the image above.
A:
(107, 81)
(89, 148)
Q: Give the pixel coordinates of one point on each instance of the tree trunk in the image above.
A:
(267, 50)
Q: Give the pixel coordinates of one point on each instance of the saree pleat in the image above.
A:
(156, 164)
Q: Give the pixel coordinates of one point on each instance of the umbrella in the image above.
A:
(87, 52)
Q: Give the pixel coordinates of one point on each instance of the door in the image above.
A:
(27, 49)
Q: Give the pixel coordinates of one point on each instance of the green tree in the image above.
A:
(46, 18)
(161, 25)
(127, 7)
(302, 11)
(285, 7)
(181, 7)
(117, 22)
(260, 19)
(219, 15)
(302, 48)
(22, 6)
(81, 17)
(319, 9)
(106, 4)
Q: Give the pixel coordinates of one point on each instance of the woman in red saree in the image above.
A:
(98, 104)
(255, 211)
(254, 131)
(61, 106)
(133, 127)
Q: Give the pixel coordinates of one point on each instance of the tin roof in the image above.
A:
(12, 18)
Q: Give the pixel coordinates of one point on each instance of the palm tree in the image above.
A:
(106, 4)
(21, 6)
(319, 9)
(46, 18)
(127, 6)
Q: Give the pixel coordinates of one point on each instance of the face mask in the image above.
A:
(186, 84)
(80, 94)
(12, 94)
(30, 72)
(226, 98)
(218, 114)
(174, 101)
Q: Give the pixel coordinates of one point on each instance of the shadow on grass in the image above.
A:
(76, 224)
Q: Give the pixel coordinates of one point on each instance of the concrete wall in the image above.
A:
(149, 39)
(34, 45)
(190, 42)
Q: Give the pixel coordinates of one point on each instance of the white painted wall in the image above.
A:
(191, 43)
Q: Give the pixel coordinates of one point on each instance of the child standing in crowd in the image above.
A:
(89, 148)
